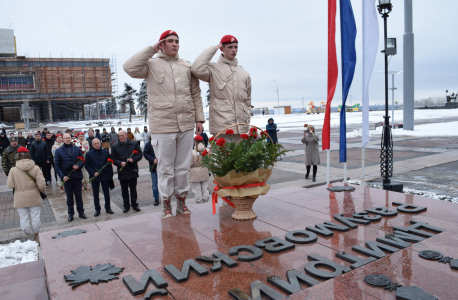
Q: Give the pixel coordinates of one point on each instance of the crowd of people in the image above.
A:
(83, 160)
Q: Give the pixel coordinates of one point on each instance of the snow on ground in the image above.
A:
(18, 253)
(285, 122)
(433, 129)
(431, 195)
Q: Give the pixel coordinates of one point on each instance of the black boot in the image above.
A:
(315, 169)
(308, 172)
(156, 202)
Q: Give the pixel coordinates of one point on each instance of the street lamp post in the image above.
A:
(278, 98)
(386, 156)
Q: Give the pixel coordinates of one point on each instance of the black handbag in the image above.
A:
(111, 184)
(42, 194)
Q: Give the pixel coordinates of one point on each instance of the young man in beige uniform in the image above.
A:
(230, 87)
(176, 105)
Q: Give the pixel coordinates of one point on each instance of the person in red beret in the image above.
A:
(174, 95)
(230, 87)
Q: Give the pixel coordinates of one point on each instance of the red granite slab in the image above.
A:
(162, 242)
(446, 243)
(227, 232)
(65, 254)
(407, 268)
(22, 272)
(322, 200)
(291, 217)
(331, 290)
(29, 289)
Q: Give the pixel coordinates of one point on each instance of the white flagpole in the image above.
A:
(363, 158)
(345, 172)
(328, 163)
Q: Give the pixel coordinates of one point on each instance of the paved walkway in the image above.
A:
(411, 154)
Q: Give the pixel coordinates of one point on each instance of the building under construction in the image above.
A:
(51, 89)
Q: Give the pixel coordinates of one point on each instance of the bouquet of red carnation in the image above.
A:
(80, 159)
(109, 162)
(132, 155)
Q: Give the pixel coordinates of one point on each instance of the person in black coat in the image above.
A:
(39, 154)
(95, 160)
(49, 143)
(120, 153)
(150, 156)
(4, 141)
(65, 160)
(272, 130)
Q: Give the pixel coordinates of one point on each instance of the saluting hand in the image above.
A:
(219, 45)
(156, 46)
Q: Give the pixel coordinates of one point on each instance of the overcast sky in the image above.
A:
(284, 40)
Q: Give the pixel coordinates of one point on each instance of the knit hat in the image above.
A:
(228, 39)
(168, 33)
(198, 138)
(38, 133)
(22, 149)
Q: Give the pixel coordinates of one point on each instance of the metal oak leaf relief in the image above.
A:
(69, 233)
(99, 273)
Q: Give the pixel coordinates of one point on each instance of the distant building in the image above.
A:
(54, 88)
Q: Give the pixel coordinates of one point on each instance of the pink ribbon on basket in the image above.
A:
(217, 188)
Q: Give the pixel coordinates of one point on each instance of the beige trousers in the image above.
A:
(173, 152)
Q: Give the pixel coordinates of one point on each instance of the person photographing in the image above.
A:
(312, 153)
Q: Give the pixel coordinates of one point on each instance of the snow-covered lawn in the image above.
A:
(293, 121)
(431, 195)
(426, 130)
(18, 253)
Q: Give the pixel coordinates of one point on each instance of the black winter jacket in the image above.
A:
(95, 160)
(120, 152)
(50, 143)
(105, 137)
(30, 141)
(64, 160)
(150, 156)
(39, 152)
(89, 140)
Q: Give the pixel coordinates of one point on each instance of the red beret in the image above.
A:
(167, 33)
(22, 149)
(228, 39)
(199, 138)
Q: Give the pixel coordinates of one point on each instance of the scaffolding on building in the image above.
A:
(57, 89)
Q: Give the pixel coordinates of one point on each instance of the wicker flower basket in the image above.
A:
(244, 204)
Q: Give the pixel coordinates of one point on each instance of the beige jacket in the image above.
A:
(198, 173)
(55, 147)
(174, 99)
(230, 91)
(26, 193)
